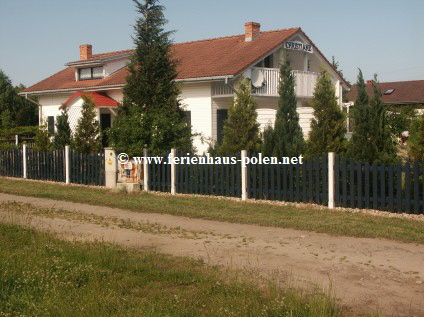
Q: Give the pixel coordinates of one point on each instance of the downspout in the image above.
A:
(40, 107)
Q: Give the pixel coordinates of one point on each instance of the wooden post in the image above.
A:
(24, 158)
(173, 172)
(67, 166)
(331, 180)
(146, 171)
(16, 140)
(244, 192)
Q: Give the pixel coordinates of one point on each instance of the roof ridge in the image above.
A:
(113, 52)
(203, 40)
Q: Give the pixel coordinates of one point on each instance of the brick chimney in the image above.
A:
(86, 52)
(252, 29)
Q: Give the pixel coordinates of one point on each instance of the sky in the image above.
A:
(384, 37)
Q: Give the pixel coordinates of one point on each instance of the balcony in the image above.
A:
(305, 83)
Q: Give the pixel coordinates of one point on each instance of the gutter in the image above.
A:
(40, 107)
(118, 86)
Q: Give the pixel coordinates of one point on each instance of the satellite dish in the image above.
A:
(257, 78)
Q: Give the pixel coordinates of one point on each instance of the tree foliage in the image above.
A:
(87, 133)
(371, 138)
(63, 134)
(15, 110)
(151, 113)
(241, 129)
(287, 137)
(328, 127)
(42, 138)
(416, 140)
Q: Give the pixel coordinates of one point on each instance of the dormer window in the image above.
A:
(90, 73)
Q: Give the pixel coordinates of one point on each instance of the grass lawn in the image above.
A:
(264, 214)
(44, 276)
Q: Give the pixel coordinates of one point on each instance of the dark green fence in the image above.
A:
(48, 166)
(88, 169)
(307, 182)
(11, 163)
(390, 187)
(210, 179)
(160, 176)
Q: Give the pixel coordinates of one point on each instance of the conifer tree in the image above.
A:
(371, 138)
(382, 137)
(268, 142)
(328, 125)
(87, 133)
(151, 113)
(416, 140)
(42, 137)
(241, 129)
(288, 137)
(362, 146)
(63, 134)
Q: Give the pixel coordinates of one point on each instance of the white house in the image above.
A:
(208, 70)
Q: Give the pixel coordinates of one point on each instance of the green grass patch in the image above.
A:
(305, 218)
(43, 276)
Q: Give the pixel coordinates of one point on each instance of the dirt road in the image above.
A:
(365, 274)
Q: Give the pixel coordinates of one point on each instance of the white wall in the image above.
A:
(197, 98)
(267, 110)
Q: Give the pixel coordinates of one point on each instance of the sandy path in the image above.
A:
(365, 274)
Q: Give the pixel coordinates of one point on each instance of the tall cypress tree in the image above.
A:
(63, 134)
(362, 146)
(151, 112)
(382, 136)
(241, 129)
(371, 138)
(288, 137)
(328, 126)
(87, 133)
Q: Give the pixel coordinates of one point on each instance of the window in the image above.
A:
(50, 125)
(268, 62)
(187, 117)
(90, 73)
(389, 91)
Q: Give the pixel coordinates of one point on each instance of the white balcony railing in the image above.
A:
(305, 83)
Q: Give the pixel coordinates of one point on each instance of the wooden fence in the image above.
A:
(11, 163)
(86, 169)
(390, 187)
(48, 166)
(307, 182)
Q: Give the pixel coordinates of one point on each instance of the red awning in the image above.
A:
(98, 99)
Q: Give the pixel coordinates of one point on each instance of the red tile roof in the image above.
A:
(405, 92)
(225, 56)
(99, 100)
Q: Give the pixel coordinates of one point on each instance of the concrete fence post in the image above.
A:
(24, 160)
(173, 172)
(244, 183)
(111, 168)
(146, 171)
(331, 180)
(67, 166)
